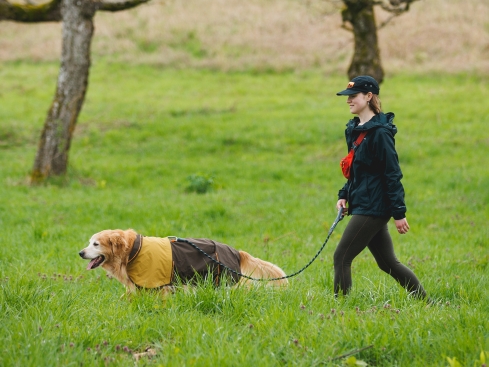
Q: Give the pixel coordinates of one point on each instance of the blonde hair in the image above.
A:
(375, 104)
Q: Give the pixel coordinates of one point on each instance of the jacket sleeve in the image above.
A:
(386, 152)
(343, 193)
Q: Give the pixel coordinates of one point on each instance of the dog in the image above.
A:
(141, 262)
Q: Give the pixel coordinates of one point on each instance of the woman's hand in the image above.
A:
(402, 225)
(342, 204)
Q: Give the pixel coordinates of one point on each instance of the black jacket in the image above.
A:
(374, 187)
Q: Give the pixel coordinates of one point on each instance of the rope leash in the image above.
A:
(339, 217)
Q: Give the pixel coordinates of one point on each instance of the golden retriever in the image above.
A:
(153, 262)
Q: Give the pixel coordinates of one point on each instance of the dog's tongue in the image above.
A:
(95, 262)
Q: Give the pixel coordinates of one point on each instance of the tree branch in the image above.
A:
(395, 7)
(385, 22)
(31, 13)
(119, 5)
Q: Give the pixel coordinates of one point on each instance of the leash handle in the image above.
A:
(340, 215)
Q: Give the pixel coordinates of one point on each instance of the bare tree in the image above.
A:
(77, 31)
(358, 16)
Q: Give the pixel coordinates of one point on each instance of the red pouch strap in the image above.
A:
(346, 162)
(359, 139)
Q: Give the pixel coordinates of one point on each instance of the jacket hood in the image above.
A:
(385, 120)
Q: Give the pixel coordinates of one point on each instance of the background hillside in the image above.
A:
(434, 36)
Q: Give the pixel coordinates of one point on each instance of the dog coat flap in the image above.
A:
(189, 261)
(152, 267)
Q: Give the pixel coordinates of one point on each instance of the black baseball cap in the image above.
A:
(361, 84)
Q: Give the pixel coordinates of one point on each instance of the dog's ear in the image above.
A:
(118, 242)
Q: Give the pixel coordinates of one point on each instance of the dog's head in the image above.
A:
(108, 248)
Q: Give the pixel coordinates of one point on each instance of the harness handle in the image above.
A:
(339, 217)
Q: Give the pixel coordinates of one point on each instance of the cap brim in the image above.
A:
(348, 92)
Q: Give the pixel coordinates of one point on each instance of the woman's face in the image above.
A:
(358, 102)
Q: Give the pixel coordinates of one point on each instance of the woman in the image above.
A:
(374, 192)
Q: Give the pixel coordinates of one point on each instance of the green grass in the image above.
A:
(266, 148)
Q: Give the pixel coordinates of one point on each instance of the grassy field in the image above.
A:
(265, 148)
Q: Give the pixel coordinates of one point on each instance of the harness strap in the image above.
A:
(218, 269)
(136, 247)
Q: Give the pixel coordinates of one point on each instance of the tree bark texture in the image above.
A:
(366, 56)
(54, 145)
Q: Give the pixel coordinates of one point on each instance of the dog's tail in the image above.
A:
(257, 268)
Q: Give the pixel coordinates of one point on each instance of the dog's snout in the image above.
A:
(82, 253)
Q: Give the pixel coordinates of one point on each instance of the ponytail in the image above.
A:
(375, 104)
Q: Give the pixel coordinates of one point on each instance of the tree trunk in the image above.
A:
(54, 145)
(366, 56)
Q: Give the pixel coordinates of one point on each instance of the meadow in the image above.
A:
(252, 160)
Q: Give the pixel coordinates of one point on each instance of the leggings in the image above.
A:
(365, 231)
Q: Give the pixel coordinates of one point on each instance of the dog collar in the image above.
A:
(136, 247)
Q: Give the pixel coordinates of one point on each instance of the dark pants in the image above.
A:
(365, 231)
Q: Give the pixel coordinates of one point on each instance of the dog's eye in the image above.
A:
(95, 243)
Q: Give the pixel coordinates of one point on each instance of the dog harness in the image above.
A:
(155, 262)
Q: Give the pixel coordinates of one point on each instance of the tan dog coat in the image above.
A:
(161, 262)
